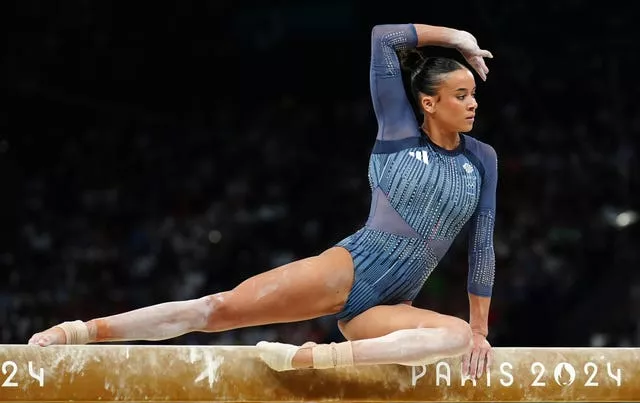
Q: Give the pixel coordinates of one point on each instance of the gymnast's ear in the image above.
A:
(427, 103)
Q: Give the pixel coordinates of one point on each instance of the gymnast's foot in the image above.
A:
(286, 357)
(49, 337)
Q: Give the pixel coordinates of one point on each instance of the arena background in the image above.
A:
(154, 152)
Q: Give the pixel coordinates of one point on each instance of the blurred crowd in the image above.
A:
(166, 154)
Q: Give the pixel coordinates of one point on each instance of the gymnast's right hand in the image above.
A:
(54, 335)
(467, 45)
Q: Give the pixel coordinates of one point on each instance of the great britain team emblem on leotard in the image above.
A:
(468, 167)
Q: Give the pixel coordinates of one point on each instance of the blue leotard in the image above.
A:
(422, 195)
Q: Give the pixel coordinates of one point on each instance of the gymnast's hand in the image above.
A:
(479, 359)
(467, 45)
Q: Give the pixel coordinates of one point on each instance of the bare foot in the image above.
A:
(49, 337)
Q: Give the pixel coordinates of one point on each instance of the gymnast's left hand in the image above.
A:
(479, 359)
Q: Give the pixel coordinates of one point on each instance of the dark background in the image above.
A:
(161, 152)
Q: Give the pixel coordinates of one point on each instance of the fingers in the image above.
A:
(485, 360)
(484, 67)
(486, 53)
(478, 63)
(477, 362)
(466, 360)
(475, 355)
(482, 75)
(489, 359)
(481, 363)
(480, 67)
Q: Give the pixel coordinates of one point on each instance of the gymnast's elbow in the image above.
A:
(386, 36)
(379, 33)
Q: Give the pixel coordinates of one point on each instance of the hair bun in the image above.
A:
(411, 59)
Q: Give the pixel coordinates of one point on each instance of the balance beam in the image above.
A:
(109, 373)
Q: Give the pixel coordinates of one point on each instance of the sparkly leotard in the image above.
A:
(422, 195)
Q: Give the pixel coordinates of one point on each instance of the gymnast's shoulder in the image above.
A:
(484, 151)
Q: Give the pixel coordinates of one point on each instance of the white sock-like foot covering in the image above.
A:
(75, 332)
(278, 356)
(334, 355)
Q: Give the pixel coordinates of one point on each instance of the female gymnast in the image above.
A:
(427, 180)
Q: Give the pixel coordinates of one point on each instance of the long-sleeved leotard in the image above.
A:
(422, 195)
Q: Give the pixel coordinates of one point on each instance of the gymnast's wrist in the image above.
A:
(455, 37)
(482, 332)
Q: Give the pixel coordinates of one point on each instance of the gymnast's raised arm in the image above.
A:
(395, 116)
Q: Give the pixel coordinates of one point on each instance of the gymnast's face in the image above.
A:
(454, 106)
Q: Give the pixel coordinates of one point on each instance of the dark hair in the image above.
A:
(422, 74)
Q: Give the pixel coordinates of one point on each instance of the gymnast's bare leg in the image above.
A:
(397, 334)
(300, 290)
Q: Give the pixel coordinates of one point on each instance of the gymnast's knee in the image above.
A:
(456, 336)
(460, 335)
(219, 312)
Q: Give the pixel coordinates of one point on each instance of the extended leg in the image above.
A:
(300, 290)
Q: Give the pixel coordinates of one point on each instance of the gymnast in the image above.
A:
(428, 180)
